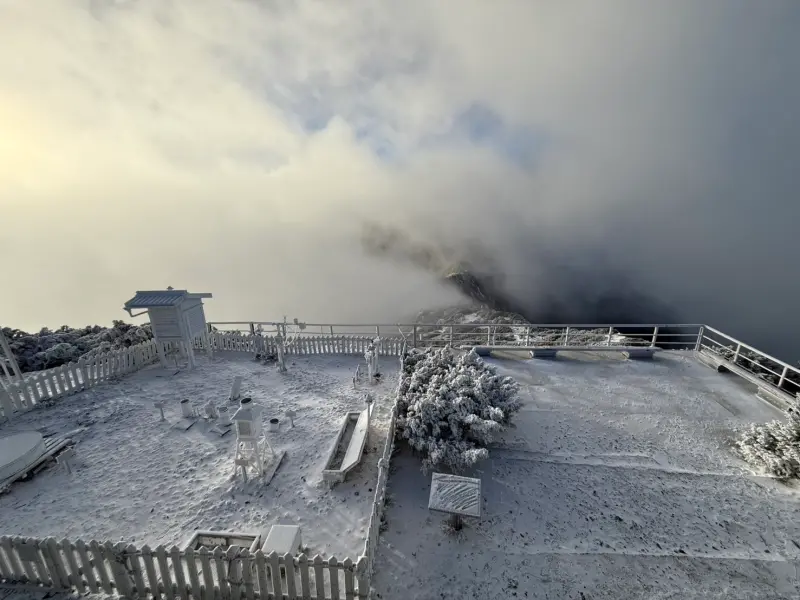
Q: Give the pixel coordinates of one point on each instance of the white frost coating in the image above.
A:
(455, 495)
(773, 447)
(450, 409)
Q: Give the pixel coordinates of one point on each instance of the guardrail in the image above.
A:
(759, 367)
(666, 336)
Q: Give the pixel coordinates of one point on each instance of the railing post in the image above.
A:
(252, 329)
(414, 340)
(784, 373)
(488, 335)
(377, 331)
(736, 354)
(566, 335)
(527, 336)
(655, 336)
(331, 327)
(610, 333)
(450, 343)
(699, 343)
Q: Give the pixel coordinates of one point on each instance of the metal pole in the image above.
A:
(699, 344)
(655, 335)
(783, 377)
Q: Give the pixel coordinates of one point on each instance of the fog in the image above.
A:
(615, 161)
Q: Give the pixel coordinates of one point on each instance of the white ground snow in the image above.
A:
(139, 480)
(617, 481)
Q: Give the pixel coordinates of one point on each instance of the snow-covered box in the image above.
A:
(175, 315)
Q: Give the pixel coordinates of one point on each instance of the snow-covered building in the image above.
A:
(175, 316)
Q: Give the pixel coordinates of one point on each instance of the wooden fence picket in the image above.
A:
(177, 570)
(222, 573)
(166, 577)
(333, 573)
(235, 581)
(208, 574)
(319, 577)
(191, 567)
(133, 556)
(291, 581)
(86, 566)
(150, 569)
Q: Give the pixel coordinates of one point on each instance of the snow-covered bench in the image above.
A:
(633, 352)
(359, 423)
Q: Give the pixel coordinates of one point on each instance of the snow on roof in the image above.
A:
(160, 298)
(182, 481)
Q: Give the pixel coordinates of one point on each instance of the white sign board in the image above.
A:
(455, 495)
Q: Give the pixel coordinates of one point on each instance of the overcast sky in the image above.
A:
(238, 147)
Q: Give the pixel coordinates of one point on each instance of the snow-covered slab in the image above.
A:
(455, 495)
(283, 539)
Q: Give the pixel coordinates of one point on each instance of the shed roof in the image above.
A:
(160, 298)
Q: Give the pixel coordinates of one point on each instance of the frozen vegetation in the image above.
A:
(52, 348)
(773, 447)
(451, 407)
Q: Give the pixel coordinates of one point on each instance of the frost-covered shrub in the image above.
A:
(773, 447)
(450, 408)
(53, 348)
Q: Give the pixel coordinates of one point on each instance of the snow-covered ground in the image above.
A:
(617, 481)
(139, 480)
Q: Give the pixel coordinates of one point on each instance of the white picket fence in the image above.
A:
(379, 502)
(302, 345)
(45, 386)
(171, 573)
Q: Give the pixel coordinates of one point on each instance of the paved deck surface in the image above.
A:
(617, 481)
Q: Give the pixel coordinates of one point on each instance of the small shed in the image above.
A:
(175, 316)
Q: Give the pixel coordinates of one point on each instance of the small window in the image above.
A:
(244, 428)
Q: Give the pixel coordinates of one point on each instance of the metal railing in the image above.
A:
(666, 336)
(761, 367)
(758, 366)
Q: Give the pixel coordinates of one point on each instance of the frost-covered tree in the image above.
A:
(773, 447)
(451, 407)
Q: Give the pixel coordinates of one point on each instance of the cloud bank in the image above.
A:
(610, 158)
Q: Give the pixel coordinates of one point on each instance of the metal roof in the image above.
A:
(158, 298)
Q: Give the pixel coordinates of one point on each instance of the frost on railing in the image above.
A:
(760, 365)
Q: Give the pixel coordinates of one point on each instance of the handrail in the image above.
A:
(475, 324)
(752, 349)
